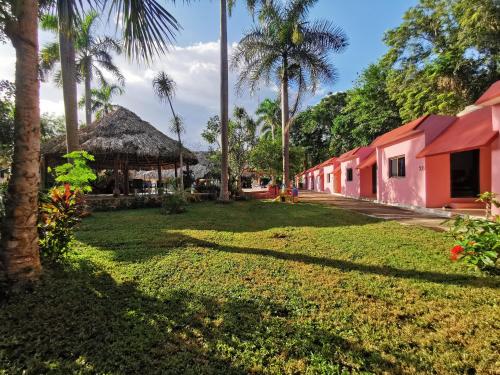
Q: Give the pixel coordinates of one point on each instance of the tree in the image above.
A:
(19, 256)
(289, 48)
(443, 55)
(269, 117)
(147, 30)
(164, 87)
(93, 55)
(373, 111)
(100, 99)
(242, 131)
(226, 5)
(312, 128)
(241, 139)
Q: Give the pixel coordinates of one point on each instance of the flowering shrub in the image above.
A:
(477, 243)
(60, 211)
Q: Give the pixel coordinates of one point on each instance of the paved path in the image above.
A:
(403, 216)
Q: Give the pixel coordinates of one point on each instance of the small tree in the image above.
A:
(76, 173)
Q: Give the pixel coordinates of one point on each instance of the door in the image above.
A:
(464, 174)
(374, 178)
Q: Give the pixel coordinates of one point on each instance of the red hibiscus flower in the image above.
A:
(455, 252)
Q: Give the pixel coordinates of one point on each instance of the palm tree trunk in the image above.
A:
(224, 103)
(285, 126)
(68, 70)
(19, 255)
(88, 99)
(178, 131)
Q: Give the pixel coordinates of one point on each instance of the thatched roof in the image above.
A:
(124, 135)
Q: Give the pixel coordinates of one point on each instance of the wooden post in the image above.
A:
(126, 189)
(158, 183)
(116, 169)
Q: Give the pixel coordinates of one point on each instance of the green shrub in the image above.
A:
(76, 173)
(175, 203)
(60, 211)
(477, 243)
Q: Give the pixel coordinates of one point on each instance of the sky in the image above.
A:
(193, 62)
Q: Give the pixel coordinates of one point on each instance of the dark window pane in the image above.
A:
(401, 167)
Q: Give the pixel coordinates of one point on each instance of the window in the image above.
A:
(329, 177)
(397, 167)
(349, 174)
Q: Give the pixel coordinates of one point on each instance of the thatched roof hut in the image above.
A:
(121, 140)
(124, 136)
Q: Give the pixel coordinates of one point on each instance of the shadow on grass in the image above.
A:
(252, 216)
(81, 320)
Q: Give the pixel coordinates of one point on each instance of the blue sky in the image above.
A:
(194, 61)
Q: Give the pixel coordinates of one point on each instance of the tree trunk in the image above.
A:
(224, 103)
(19, 255)
(285, 126)
(88, 98)
(68, 72)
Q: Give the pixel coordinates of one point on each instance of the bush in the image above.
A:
(175, 203)
(76, 173)
(60, 211)
(477, 243)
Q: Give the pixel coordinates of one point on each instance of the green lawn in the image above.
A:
(254, 287)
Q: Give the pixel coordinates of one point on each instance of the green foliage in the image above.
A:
(312, 129)
(174, 203)
(60, 212)
(101, 99)
(76, 173)
(477, 242)
(443, 55)
(490, 199)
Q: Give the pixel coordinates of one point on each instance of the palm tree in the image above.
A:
(225, 6)
(177, 127)
(93, 55)
(164, 87)
(147, 29)
(269, 117)
(19, 256)
(287, 47)
(100, 99)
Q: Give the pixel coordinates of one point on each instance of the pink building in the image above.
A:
(392, 173)
(464, 161)
(351, 177)
(433, 161)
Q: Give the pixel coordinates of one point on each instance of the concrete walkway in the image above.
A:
(403, 216)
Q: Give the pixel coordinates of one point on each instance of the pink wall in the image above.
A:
(328, 187)
(350, 188)
(495, 157)
(409, 190)
(317, 180)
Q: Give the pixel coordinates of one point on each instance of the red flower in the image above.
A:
(455, 252)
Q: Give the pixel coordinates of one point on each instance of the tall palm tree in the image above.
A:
(147, 30)
(164, 87)
(269, 117)
(177, 127)
(288, 48)
(19, 256)
(225, 6)
(93, 55)
(100, 99)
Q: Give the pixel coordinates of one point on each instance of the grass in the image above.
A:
(253, 287)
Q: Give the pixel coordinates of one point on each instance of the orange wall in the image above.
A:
(366, 182)
(438, 178)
